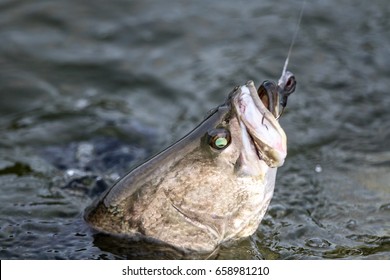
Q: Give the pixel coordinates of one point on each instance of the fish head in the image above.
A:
(248, 140)
(212, 186)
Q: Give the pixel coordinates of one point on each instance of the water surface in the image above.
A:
(89, 91)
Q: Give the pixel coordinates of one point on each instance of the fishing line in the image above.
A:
(286, 83)
(294, 38)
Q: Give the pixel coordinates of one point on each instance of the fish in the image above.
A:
(212, 187)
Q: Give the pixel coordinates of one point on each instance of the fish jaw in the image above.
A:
(262, 136)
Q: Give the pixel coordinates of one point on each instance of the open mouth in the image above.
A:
(257, 114)
(268, 94)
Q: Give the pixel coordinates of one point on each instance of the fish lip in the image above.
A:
(262, 126)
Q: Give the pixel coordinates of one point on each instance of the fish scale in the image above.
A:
(195, 195)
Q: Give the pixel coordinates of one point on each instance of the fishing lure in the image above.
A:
(271, 93)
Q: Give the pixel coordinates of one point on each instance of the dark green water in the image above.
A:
(89, 90)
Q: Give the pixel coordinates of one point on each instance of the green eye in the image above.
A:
(221, 142)
(219, 138)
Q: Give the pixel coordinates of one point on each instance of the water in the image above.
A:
(88, 91)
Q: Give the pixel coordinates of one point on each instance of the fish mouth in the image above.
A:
(261, 131)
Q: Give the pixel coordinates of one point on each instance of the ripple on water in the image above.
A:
(68, 93)
(316, 242)
(385, 207)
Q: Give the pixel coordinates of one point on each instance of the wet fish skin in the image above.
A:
(196, 197)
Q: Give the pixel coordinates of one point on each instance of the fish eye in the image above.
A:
(219, 138)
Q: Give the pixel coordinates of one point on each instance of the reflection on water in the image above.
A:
(89, 91)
